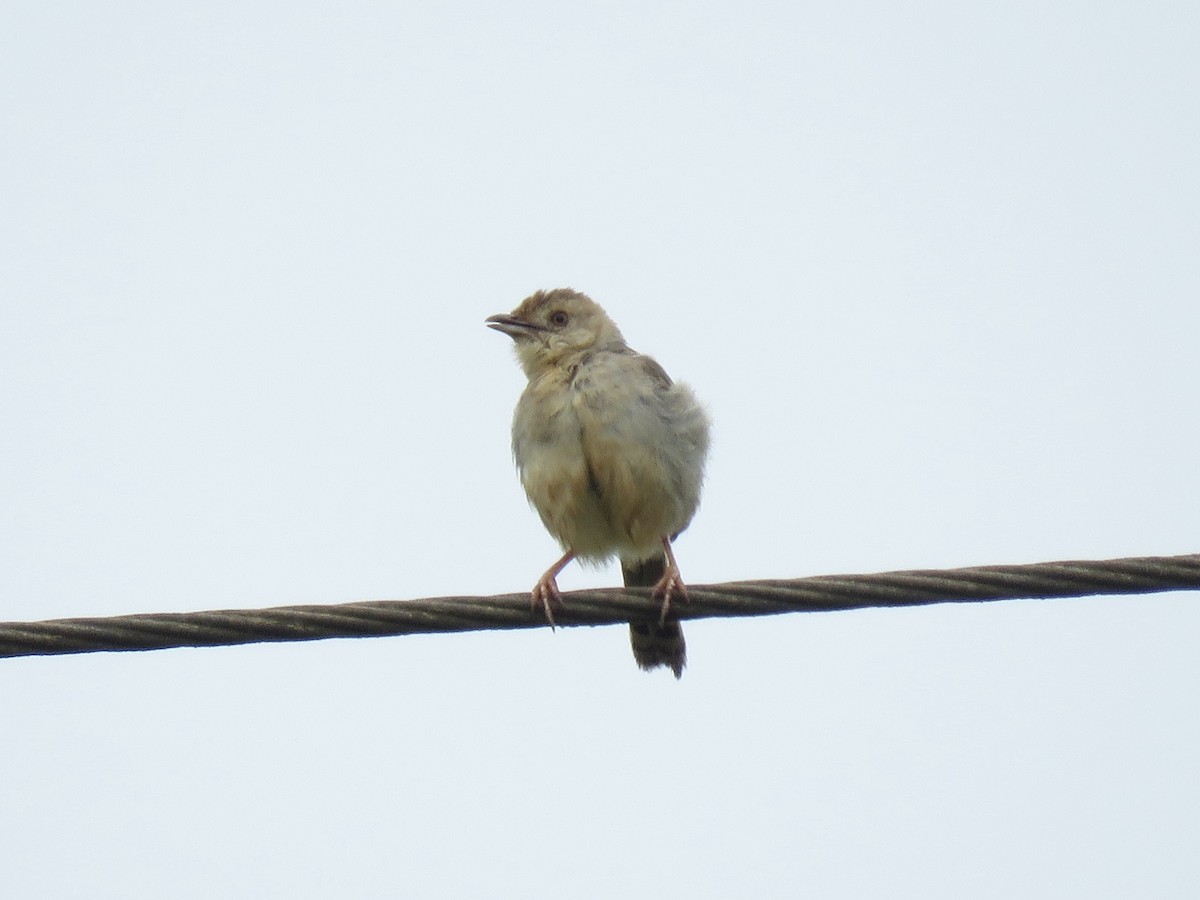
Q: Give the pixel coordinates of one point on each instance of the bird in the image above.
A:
(611, 453)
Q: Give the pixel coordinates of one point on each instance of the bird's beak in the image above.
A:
(512, 326)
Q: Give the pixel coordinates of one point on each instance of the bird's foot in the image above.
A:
(671, 584)
(546, 596)
(545, 592)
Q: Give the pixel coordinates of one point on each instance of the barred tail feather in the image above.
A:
(654, 645)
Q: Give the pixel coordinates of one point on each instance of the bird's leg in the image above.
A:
(545, 592)
(671, 581)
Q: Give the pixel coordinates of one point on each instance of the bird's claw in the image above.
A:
(670, 583)
(546, 595)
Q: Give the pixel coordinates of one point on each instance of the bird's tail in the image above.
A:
(654, 644)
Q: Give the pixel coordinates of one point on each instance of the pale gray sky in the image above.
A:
(933, 268)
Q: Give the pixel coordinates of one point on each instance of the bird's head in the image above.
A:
(556, 328)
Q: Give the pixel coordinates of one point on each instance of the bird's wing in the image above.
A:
(656, 372)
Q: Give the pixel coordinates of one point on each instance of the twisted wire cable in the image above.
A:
(380, 618)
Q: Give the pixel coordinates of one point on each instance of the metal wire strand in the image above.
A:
(380, 618)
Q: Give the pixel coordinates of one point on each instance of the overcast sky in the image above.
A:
(931, 266)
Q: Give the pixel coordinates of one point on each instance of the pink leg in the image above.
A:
(545, 592)
(671, 581)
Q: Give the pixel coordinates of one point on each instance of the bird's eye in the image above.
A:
(558, 318)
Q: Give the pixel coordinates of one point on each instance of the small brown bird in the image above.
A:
(611, 453)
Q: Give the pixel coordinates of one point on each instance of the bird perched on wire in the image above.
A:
(611, 453)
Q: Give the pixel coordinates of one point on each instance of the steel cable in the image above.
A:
(380, 618)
